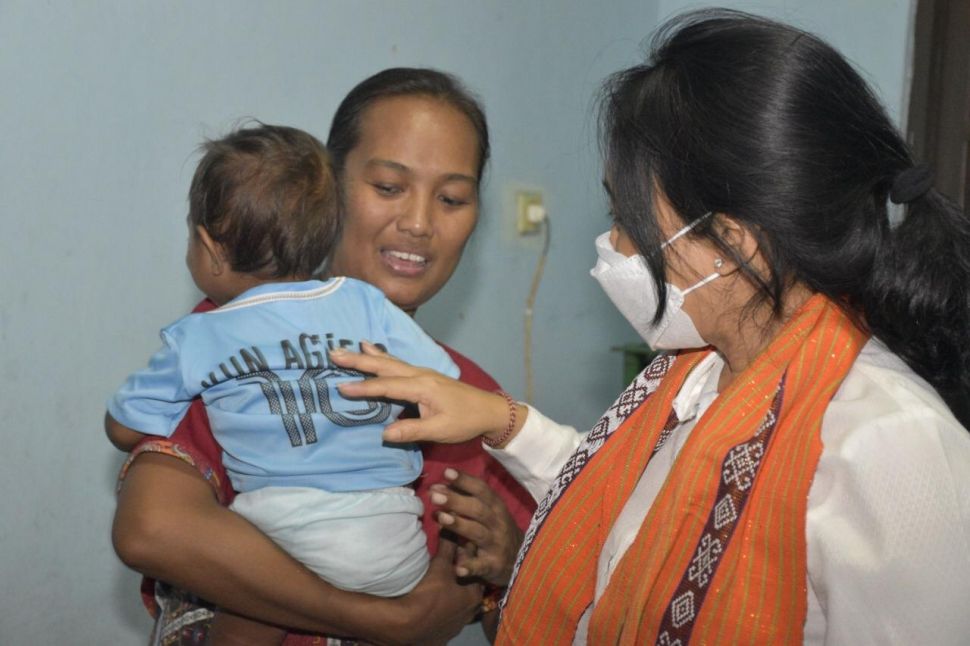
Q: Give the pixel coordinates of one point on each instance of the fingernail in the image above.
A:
(451, 474)
(439, 498)
(338, 350)
(461, 571)
(445, 518)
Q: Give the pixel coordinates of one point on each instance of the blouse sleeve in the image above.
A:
(887, 528)
(537, 452)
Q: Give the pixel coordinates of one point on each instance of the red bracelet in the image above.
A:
(509, 428)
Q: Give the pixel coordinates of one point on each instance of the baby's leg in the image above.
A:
(228, 629)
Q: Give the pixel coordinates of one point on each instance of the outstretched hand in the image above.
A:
(450, 411)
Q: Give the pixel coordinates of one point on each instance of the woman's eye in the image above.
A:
(447, 200)
(386, 189)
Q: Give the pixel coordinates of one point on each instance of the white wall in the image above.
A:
(102, 105)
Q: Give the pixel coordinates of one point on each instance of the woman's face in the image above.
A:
(410, 196)
(681, 256)
(687, 260)
(621, 242)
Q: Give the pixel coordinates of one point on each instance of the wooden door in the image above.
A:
(939, 112)
(939, 115)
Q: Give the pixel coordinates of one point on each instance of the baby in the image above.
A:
(309, 466)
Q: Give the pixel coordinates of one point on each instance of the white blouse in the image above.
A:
(888, 518)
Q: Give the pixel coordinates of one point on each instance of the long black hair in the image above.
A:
(737, 114)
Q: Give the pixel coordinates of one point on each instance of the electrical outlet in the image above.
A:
(530, 212)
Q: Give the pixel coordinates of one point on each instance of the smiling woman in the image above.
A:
(408, 147)
(416, 189)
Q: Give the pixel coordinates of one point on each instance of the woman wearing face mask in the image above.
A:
(409, 147)
(788, 472)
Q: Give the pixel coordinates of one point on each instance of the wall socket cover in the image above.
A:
(523, 201)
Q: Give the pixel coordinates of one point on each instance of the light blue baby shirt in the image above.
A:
(260, 364)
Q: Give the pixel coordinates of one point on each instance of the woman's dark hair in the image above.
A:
(403, 81)
(268, 195)
(765, 123)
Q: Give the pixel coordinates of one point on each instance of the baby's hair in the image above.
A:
(268, 195)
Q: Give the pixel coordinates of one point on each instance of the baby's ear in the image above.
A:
(218, 258)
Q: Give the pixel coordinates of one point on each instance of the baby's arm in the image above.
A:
(121, 436)
(152, 401)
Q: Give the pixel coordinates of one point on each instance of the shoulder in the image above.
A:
(889, 506)
(471, 372)
(887, 429)
(880, 388)
(348, 285)
(368, 297)
(183, 329)
(273, 293)
(176, 329)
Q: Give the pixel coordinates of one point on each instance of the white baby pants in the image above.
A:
(363, 541)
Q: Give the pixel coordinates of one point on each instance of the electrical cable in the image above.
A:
(529, 304)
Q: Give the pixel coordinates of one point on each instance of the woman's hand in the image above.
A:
(468, 507)
(450, 411)
(437, 609)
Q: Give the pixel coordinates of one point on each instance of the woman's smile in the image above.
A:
(404, 263)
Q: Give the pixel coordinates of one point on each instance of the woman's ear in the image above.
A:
(738, 237)
(218, 259)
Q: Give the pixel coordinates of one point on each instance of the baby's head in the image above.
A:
(263, 206)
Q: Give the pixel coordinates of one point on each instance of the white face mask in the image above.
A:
(631, 288)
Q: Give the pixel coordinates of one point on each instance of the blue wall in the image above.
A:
(873, 34)
(102, 106)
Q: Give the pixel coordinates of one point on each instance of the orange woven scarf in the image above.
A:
(721, 555)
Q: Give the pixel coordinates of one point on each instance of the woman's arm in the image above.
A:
(888, 520)
(449, 410)
(536, 454)
(169, 525)
(530, 446)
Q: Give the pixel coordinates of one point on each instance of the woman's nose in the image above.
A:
(416, 218)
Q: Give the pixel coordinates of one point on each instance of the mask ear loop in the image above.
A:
(718, 263)
(684, 230)
(710, 278)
